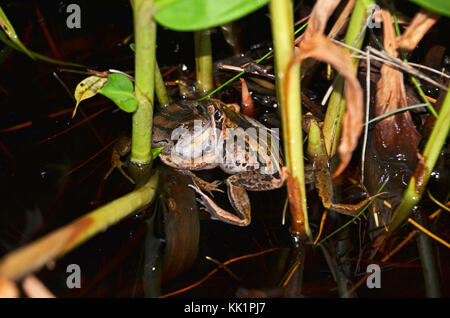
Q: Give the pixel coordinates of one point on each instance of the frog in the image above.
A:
(196, 135)
(120, 149)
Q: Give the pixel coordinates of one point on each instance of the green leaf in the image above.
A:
(119, 88)
(9, 30)
(194, 15)
(438, 6)
(156, 151)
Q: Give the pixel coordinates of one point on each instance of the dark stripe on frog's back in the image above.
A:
(236, 118)
(174, 115)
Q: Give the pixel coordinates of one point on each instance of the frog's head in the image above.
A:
(186, 130)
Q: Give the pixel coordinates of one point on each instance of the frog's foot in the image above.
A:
(204, 185)
(217, 213)
(352, 209)
(117, 163)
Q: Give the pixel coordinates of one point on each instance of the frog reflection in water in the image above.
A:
(209, 134)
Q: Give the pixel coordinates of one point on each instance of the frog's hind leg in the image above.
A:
(239, 200)
(256, 181)
(351, 209)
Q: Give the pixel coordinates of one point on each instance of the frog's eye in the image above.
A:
(199, 109)
(217, 114)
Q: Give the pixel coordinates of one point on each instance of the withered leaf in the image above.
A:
(416, 30)
(395, 135)
(88, 88)
(316, 45)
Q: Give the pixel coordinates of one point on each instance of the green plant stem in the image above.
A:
(243, 72)
(145, 60)
(33, 256)
(288, 92)
(393, 112)
(160, 88)
(203, 61)
(336, 106)
(418, 181)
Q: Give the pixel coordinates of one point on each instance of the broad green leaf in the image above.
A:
(88, 88)
(438, 6)
(156, 151)
(119, 88)
(194, 15)
(9, 30)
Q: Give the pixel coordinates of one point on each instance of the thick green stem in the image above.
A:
(145, 41)
(203, 61)
(332, 123)
(336, 106)
(33, 256)
(288, 92)
(419, 180)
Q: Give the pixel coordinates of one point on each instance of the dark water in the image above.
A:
(39, 193)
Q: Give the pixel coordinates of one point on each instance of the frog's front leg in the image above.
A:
(202, 184)
(120, 149)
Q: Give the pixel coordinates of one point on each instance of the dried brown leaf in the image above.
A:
(342, 19)
(319, 17)
(395, 135)
(316, 45)
(416, 30)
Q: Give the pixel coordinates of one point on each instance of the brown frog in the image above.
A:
(209, 134)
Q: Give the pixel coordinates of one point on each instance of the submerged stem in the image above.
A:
(418, 181)
(428, 261)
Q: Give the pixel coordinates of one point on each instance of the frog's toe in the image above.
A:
(126, 175)
(208, 186)
(213, 186)
(119, 164)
